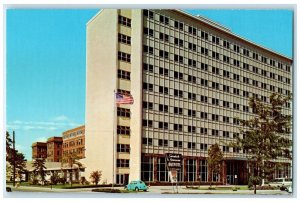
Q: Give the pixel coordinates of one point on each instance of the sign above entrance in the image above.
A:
(174, 160)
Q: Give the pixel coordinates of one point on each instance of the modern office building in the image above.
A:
(190, 79)
(54, 149)
(39, 150)
(74, 141)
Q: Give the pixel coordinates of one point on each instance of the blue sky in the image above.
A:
(45, 72)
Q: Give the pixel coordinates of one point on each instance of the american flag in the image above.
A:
(124, 99)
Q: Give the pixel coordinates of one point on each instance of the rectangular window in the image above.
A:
(123, 148)
(178, 25)
(148, 14)
(124, 21)
(164, 54)
(147, 123)
(192, 30)
(163, 90)
(124, 39)
(148, 86)
(148, 31)
(147, 105)
(124, 56)
(148, 67)
(123, 130)
(123, 74)
(148, 49)
(123, 112)
(164, 37)
(164, 19)
(191, 145)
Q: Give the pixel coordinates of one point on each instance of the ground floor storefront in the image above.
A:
(195, 170)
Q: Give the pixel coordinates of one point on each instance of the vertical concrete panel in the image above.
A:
(101, 74)
(136, 91)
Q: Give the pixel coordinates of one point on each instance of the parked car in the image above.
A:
(281, 182)
(136, 186)
(289, 189)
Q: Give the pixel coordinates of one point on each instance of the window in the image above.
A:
(215, 70)
(204, 66)
(177, 144)
(192, 79)
(245, 108)
(123, 112)
(191, 129)
(226, 44)
(148, 86)
(236, 77)
(204, 51)
(236, 121)
(123, 74)
(122, 163)
(123, 130)
(163, 71)
(164, 37)
(164, 54)
(192, 63)
(204, 82)
(148, 14)
(192, 30)
(178, 110)
(226, 88)
(192, 96)
(163, 108)
(236, 91)
(226, 134)
(226, 59)
(236, 62)
(246, 66)
(255, 56)
(124, 21)
(124, 39)
(148, 49)
(123, 148)
(246, 52)
(178, 75)
(163, 90)
(236, 106)
(178, 42)
(148, 31)
(203, 115)
(191, 113)
(225, 119)
(225, 149)
(236, 48)
(215, 85)
(215, 40)
(164, 19)
(192, 47)
(178, 25)
(178, 93)
(148, 67)
(147, 123)
(147, 141)
(147, 105)
(163, 125)
(124, 56)
(245, 80)
(215, 101)
(245, 93)
(215, 55)
(204, 98)
(215, 117)
(178, 127)
(203, 131)
(203, 146)
(204, 35)
(162, 142)
(178, 58)
(191, 145)
(214, 132)
(226, 73)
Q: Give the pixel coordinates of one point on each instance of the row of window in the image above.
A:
(237, 63)
(122, 163)
(123, 148)
(191, 129)
(214, 39)
(122, 74)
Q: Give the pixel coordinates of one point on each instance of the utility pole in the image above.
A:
(14, 159)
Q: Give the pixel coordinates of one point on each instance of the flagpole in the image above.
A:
(114, 127)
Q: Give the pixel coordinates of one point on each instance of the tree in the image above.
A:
(39, 168)
(72, 159)
(8, 147)
(266, 136)
(214, 160)
(96, 176)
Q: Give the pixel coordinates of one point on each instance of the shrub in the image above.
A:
(96, 176)
(54, 179)
(62, 180)
(33, 181)
(82, 180)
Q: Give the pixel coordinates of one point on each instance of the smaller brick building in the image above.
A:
(54, 149)
(39, 150)
(74, 141)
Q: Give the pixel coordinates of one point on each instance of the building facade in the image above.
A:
(74, 141)
(190, 79)
(39, 150)
(54, 149)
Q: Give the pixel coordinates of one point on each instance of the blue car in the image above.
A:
(136, 186)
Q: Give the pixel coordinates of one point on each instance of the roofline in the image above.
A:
(98, 13)
(227, 31)
(74, 129)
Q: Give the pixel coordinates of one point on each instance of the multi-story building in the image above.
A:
(189, 77)
(39, 150)
(74, 141)
(54, 149)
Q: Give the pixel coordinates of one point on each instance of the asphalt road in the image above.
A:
(154, 191)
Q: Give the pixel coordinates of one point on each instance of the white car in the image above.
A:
(279, 182)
